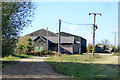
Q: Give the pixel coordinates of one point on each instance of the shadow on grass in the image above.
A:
(20, 56)
(76, 71)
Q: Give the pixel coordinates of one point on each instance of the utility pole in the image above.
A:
(115, 41)
(79, 45)
(47, 38)
(59, 38)
(94, 28)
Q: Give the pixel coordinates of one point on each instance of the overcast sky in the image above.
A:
(47, 14)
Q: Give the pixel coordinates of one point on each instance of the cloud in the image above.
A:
(115, 30)
(74, 27)
(89, 39)
(74, 0)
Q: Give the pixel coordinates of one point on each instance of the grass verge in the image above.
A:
(83, 66)
(14, 58)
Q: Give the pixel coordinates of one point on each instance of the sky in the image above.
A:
(47, 14)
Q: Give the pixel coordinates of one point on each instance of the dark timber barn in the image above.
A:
(69, 43)
(78, 39)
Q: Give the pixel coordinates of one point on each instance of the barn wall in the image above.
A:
(67, 48)
(76, 47)
(77, 38)
(39, 43)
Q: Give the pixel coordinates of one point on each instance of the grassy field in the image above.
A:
(83, 66)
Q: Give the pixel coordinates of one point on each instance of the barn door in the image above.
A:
(36, 48)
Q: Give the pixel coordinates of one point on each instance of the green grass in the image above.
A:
(83, 66)
(78, 58)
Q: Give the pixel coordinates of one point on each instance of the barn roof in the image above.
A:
(33, 37)
(41, 32)
(55, 39)
(63, 39)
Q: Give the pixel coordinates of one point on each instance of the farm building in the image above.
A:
(69, 43)
(78, 39)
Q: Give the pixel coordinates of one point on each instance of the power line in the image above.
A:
(74, 23)
(54, 26)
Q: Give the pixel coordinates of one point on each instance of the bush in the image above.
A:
(116, 54)
(24, 45)
(42, 53)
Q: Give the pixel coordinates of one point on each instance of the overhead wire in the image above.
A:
(74, 23)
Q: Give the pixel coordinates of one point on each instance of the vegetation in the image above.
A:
(83, 66)
(42, 53)
(24, 46)
(15, 16)
(13, 58)
(77, 58)
(89, 48)
(116, 54)
(105, 42)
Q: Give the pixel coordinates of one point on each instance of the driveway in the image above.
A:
(34, 67)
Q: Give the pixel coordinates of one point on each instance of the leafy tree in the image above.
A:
(89, 48)
(98, 44)
(15, 16)
(24, 46)
(105, 42)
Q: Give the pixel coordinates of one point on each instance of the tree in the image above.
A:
(15, 16)
(89, 48)
(98, 44)
(24, 46)
(105, 42)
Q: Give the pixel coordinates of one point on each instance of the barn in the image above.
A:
(78, 39)
(70, 43)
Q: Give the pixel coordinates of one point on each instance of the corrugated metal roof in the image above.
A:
(63, 39)
(55, 39)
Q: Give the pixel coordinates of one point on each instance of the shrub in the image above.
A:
(24, 46)
(42, 53)
(116, 54)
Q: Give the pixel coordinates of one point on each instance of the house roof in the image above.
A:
(63, 39)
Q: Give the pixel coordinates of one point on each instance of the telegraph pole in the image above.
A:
(115, 41)
(94, 28)
(59, 38)
(79, 45)
(47, 38)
